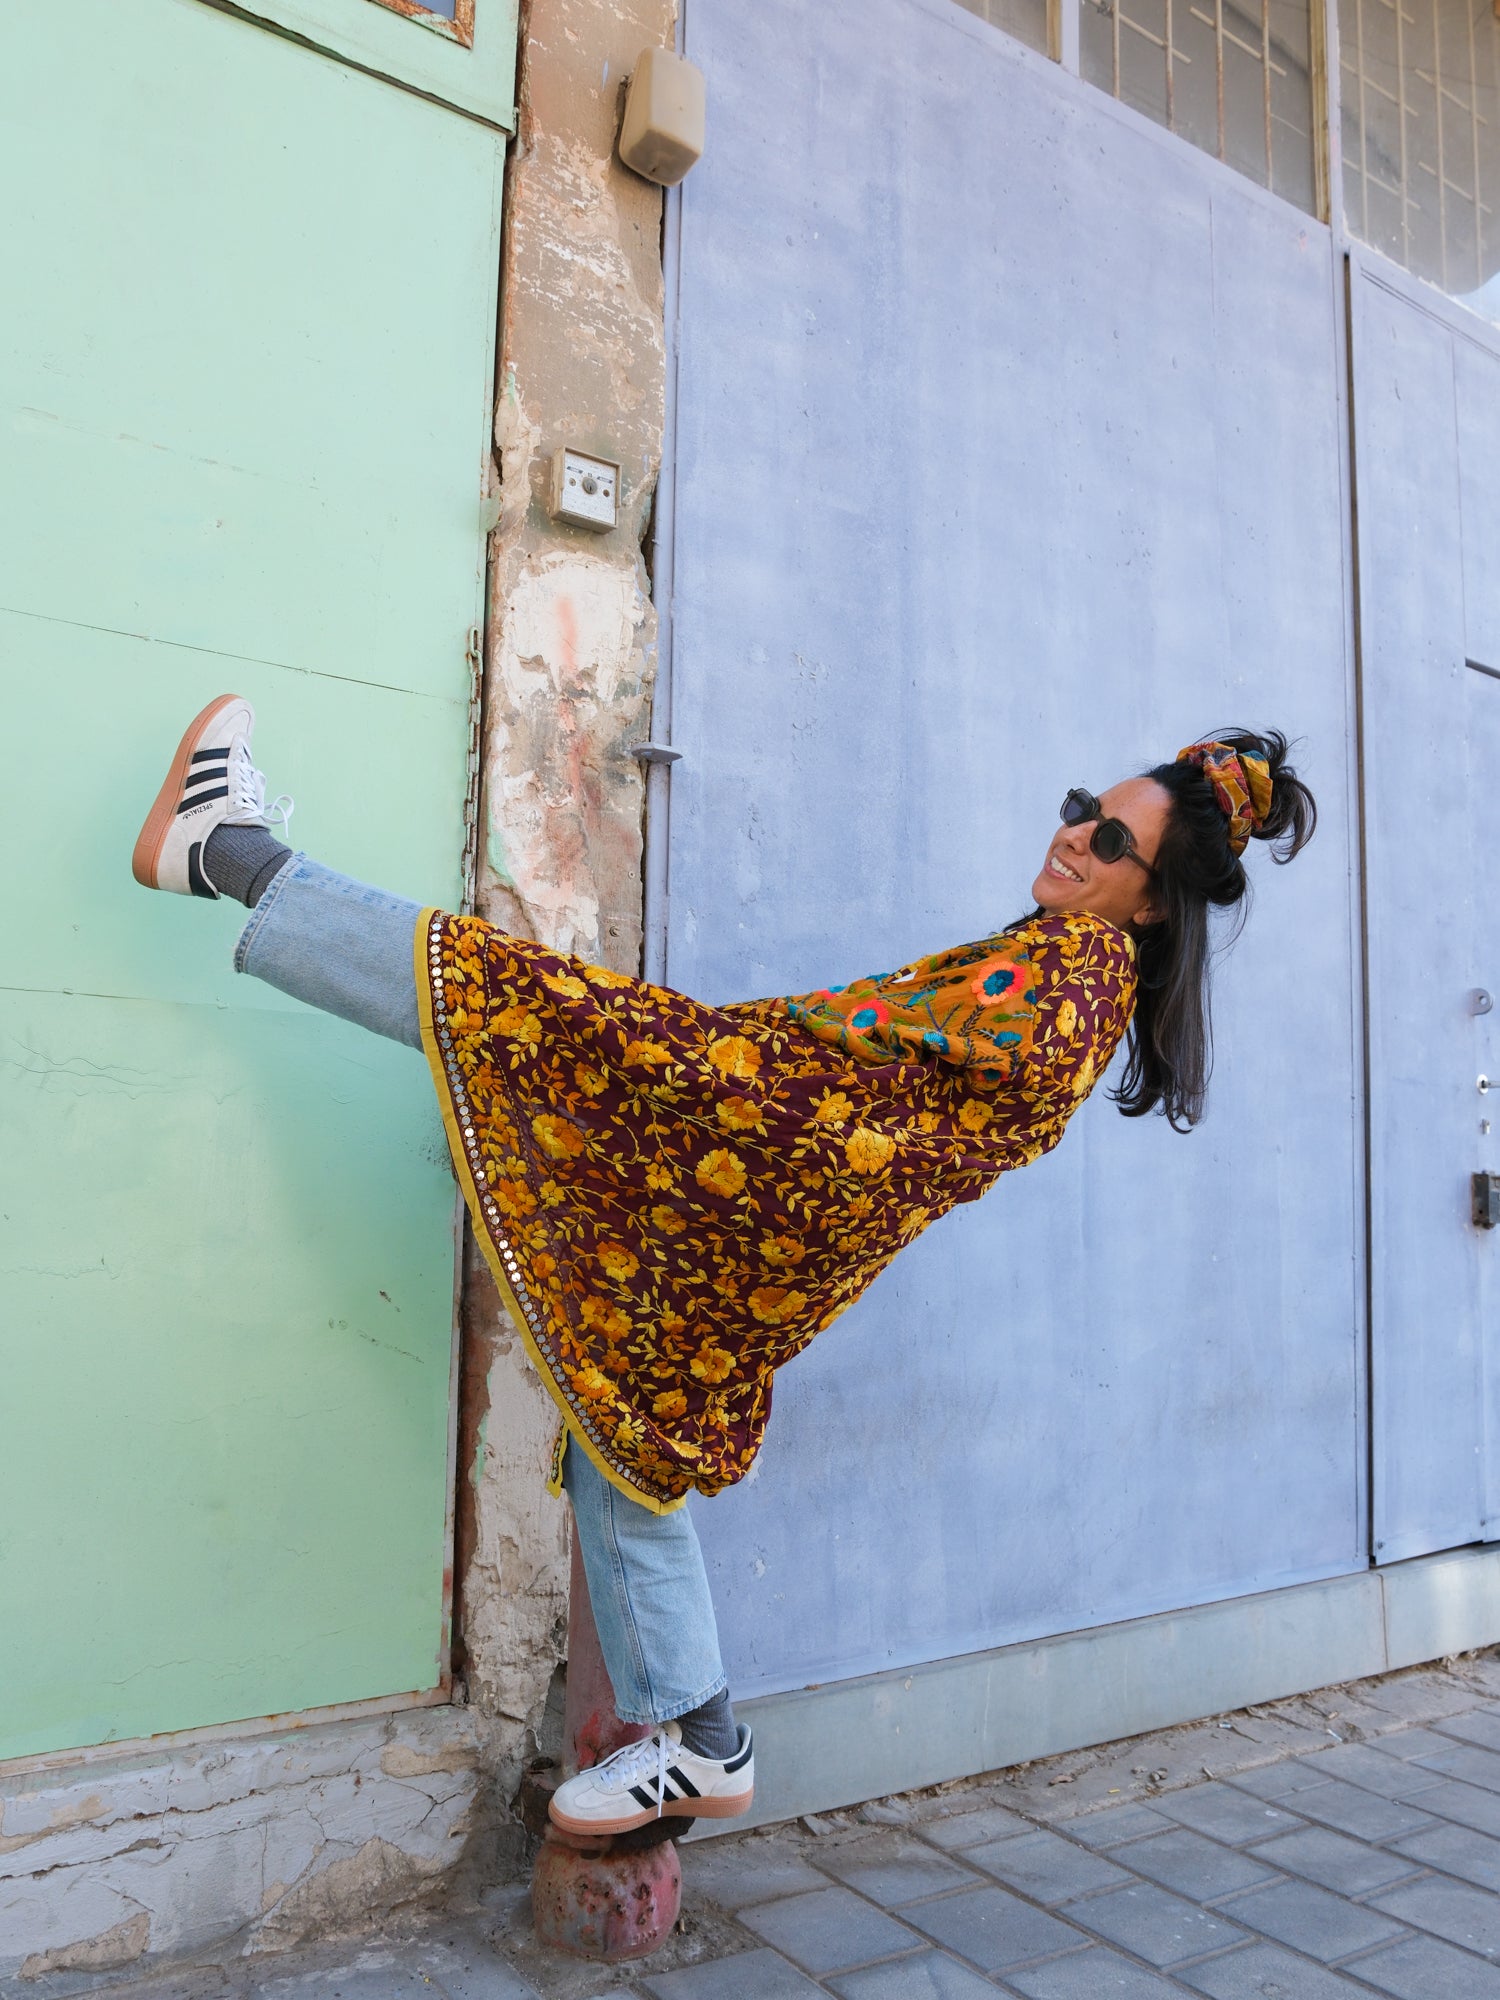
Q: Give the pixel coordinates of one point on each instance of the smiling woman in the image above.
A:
(675, 1199)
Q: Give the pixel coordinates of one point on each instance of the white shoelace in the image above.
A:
(647, 1759)
(247, 795)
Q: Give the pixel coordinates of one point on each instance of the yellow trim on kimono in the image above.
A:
(483, 1230)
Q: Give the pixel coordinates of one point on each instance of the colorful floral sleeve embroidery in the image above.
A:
(973, 1007)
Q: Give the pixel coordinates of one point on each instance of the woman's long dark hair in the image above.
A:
(1169, 1051)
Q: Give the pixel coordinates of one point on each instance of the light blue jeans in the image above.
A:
(348, 949)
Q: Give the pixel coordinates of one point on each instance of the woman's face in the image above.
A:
(1074, 878)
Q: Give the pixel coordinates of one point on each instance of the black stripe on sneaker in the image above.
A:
(203, 756)
(685, 1786)
(643, 1798)
(202, 798)
(738, 1763)
(198, 882)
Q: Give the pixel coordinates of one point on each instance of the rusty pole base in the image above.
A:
(607, 1900)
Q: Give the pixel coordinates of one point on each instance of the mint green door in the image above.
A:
(245, 380)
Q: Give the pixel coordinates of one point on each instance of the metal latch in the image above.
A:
(655, 753)
(1486, 1189)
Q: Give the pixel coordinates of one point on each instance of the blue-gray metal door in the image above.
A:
(1008, 458)
(1427, 425)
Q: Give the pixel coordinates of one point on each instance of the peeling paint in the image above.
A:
(572, 651)
(121, 1945)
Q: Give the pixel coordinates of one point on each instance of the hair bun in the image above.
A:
(1288, 815)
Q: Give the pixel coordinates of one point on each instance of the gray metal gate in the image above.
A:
(992, 479)
(1427, 410)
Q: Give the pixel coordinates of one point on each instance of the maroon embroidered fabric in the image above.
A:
(675, 1198)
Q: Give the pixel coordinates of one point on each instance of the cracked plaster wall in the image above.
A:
(570, 657)
(269, 1842)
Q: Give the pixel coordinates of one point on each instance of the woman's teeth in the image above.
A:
(1056, 867)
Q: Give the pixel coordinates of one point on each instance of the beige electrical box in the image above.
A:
(584, 490)
(661, 134)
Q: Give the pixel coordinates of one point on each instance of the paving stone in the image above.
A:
(1266, 1972)
(828, 1930)
(753, 1975)
(1313, 1920)
(466, 1973)
(1195, 1866)
(1424, 1969)
(735, 1873)
(1468, 1804)
(1481, 1726)
(1372, 1768)
(1156, 1926)
(1456, 1850)
(1046, 1867)
(1364, 1814)
(931, 1975)
(1090, 1975)
(1465, 1916)
(1466, 1761)
(893, 1869)
(1418, 1697)
(1225, 1813)
(1348, 1866)
(992, 1927)
(1278, 1781)
(1414, 1743)
(1114, 1824)
(969, 1829)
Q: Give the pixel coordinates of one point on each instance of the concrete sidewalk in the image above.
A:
(1344, 1844)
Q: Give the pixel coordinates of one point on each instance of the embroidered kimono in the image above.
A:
(675, 1198)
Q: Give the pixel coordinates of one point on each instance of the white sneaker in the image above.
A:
(654, 1779)
(211, 782)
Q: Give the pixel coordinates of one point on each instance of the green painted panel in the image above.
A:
(223, 1437)
(423, 53)
(244, 393)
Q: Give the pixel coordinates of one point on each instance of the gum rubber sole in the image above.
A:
(675, 1809)
(152, 837)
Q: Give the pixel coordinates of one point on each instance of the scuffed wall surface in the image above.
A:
(568, 690)
(274, 1841)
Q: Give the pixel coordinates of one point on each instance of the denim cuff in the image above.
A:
(263, 909)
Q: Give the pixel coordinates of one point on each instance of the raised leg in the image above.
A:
(338, 944)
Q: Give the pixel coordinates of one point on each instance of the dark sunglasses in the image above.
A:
(1112, 839)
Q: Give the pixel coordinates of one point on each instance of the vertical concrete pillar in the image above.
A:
(569, 660)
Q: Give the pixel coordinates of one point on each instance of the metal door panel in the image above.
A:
(234, 459)
(1014, 484)
(461, 54)
(1428, 485)
(1477, 404)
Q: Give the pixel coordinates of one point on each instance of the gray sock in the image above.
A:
(711, 1731)
(243, 861)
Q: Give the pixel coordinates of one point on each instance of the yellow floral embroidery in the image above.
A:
(735, 1057)
(680, 1197)
(869, 1151)
(722, 1172)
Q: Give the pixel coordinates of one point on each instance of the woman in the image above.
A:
(675, 1198)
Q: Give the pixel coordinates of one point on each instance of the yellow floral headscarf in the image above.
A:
(1242, 786)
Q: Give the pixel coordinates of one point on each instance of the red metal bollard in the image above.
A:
(606, 1899)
